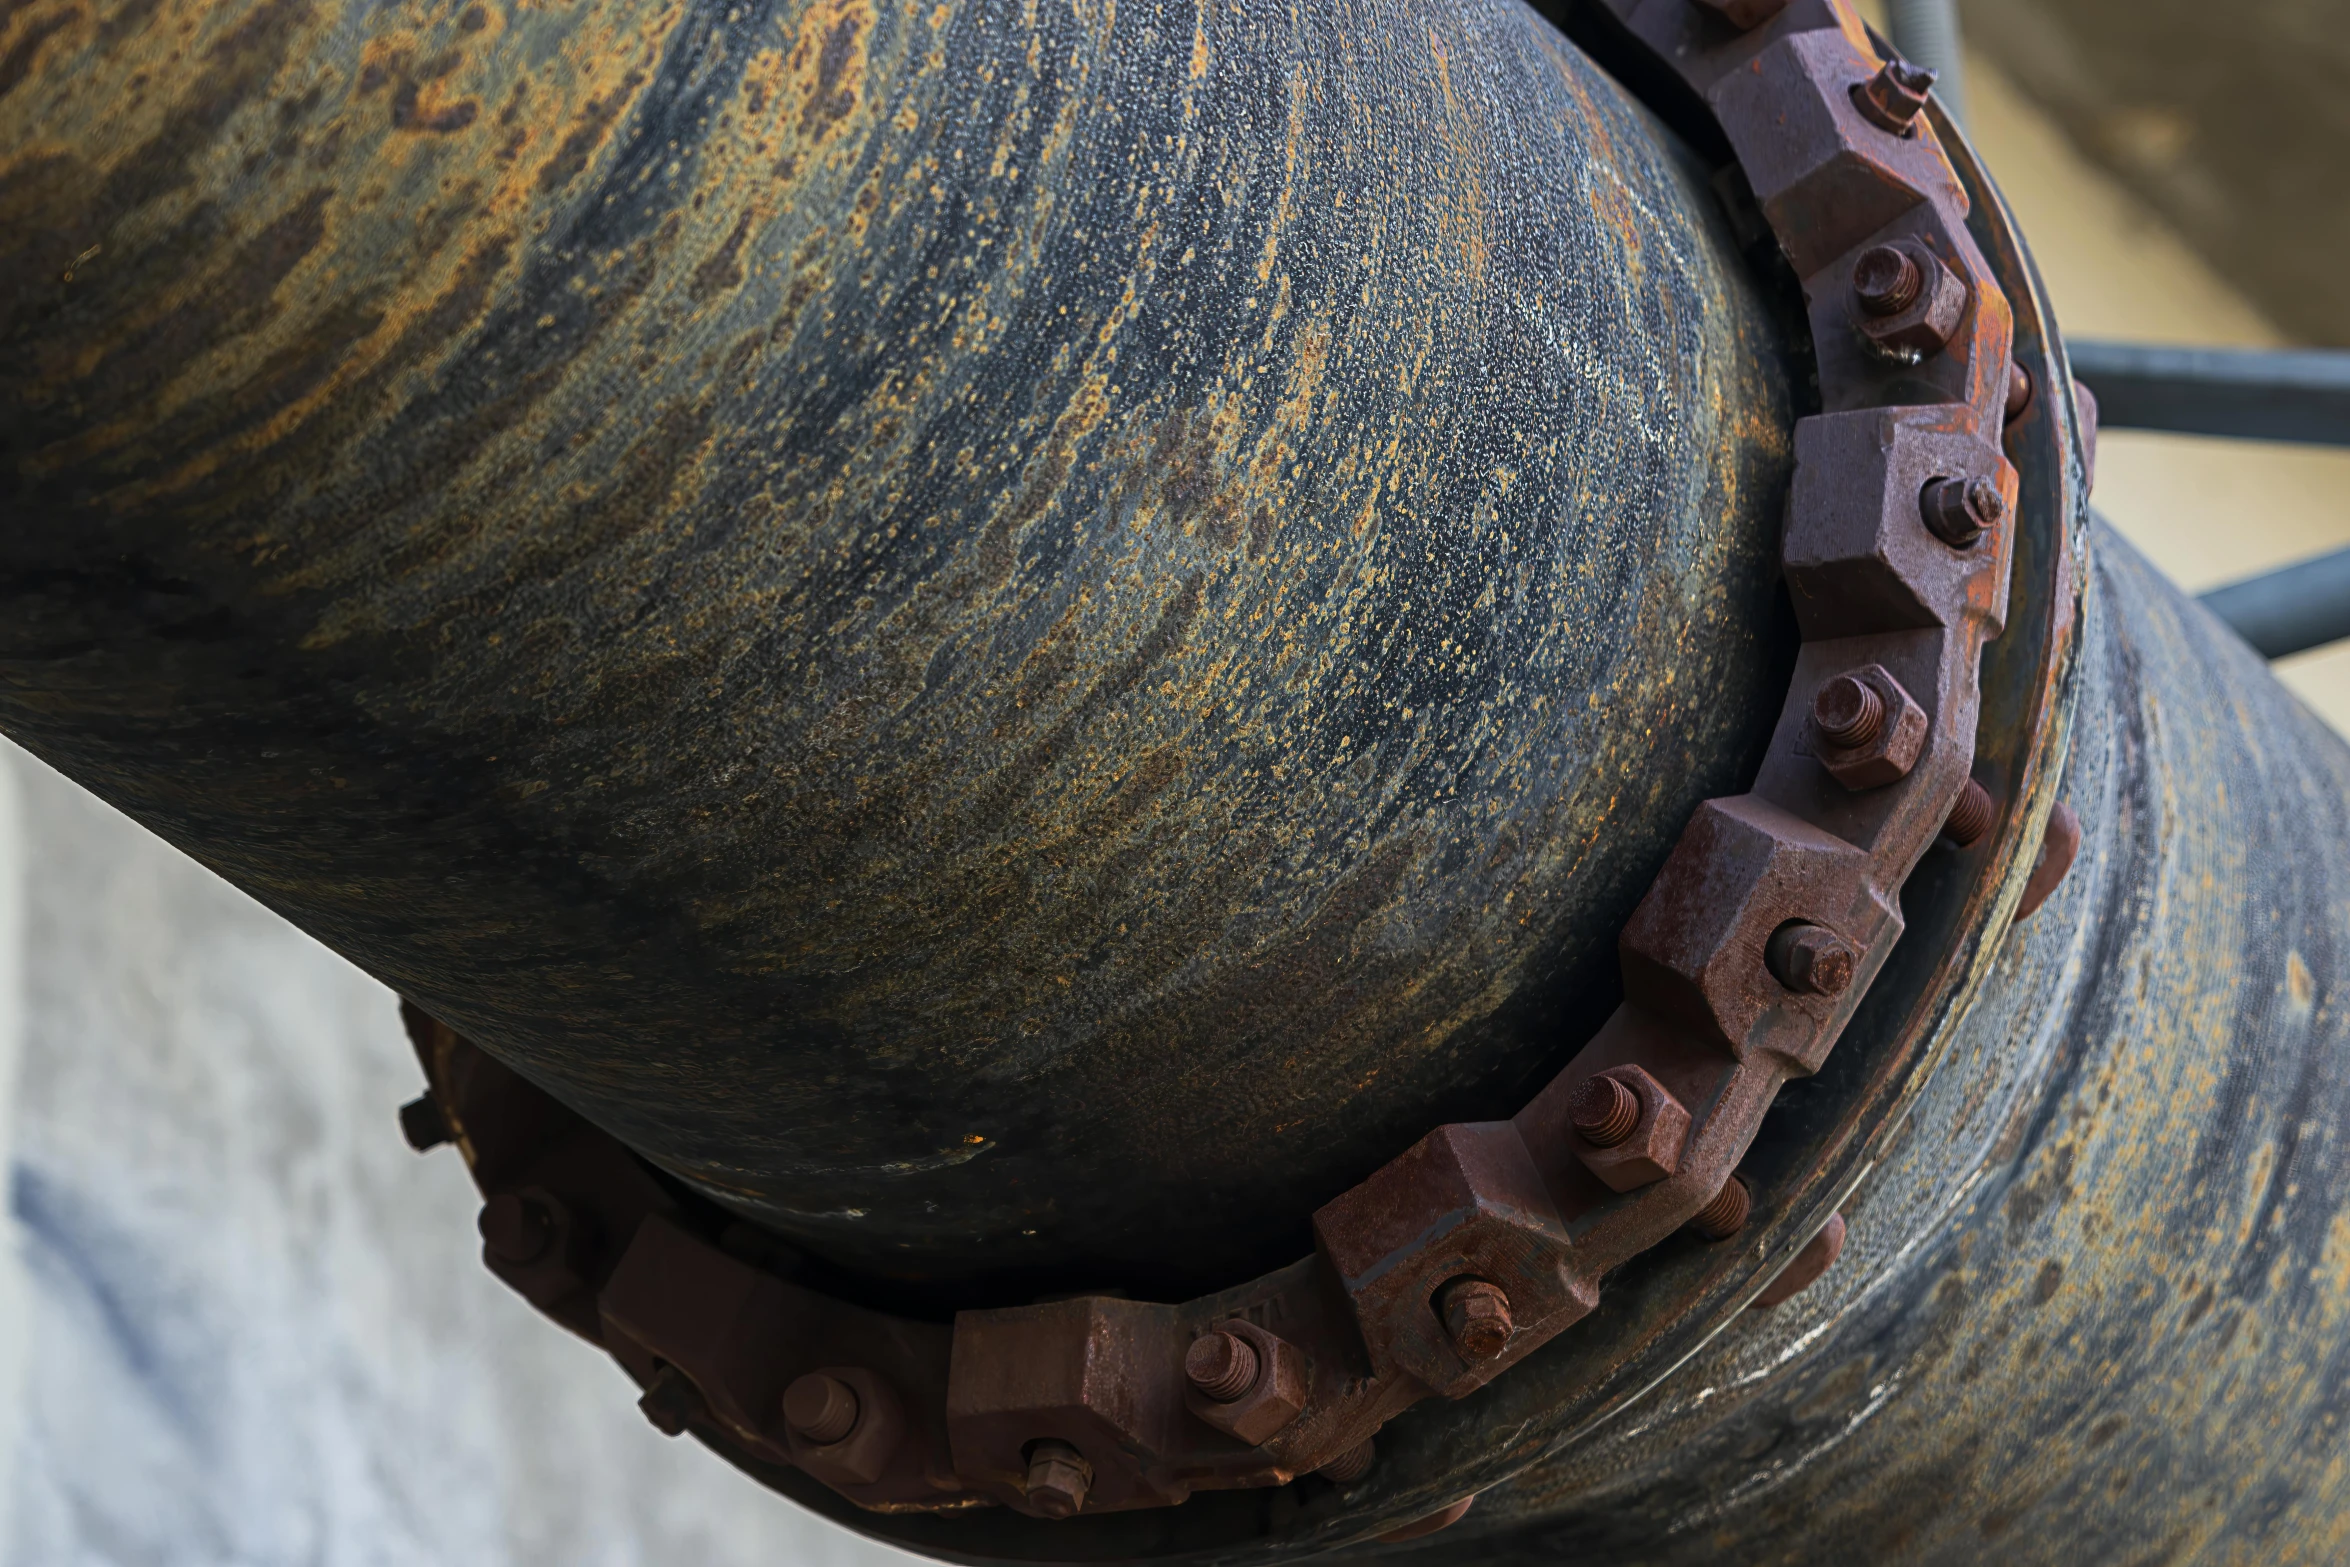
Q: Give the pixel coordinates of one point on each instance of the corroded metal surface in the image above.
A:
(2093, 1308)
(1095, 1404)
(941, 615)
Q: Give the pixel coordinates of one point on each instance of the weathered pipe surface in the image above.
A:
(1019, 639)
(2096, 1309)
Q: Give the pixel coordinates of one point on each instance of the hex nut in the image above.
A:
(1272, 1399)
(1894, 98)
(424, 1124)
(1810, 959)
(1960, 511)
(1476, 1316)
(1692, 952)
(843, 1424)
(671, 1401)
(1468, 1198)
(1652, 1149)
(1906, 301)
(1058, 1478)
(1893, 745)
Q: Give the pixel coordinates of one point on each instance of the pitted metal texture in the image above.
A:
(940, 615)
(2094, 1307)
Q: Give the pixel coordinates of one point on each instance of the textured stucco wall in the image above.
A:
(256, 1331)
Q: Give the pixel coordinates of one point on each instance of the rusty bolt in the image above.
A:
(1477, 1315)
(516, 1229)
(822, 1409)
(1818, 1255)
(1849, 712)
(1746, 15)
(1725, 1215)
(2059, 846)
(1895, 96)
(1351, 1465)
(2019, 390)
(1810, 958)
(671, 1400)
(1058, 1478)
(1887, 280)
(1221, 1365)
(1971, 817)
(423, 1124)
(1906, 300)
(1958, 511)
(1604, 1112)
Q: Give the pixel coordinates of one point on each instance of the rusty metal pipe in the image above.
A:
(1016, 642)
(2091, 1310)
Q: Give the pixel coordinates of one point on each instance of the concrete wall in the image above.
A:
(253, 1326)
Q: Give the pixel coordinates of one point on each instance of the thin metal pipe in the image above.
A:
(2300, 395)
(1926, 33)
(2301, 606)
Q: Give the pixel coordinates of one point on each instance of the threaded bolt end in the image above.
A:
(820, 1409)
(1971, 817)
(1895, 96)
(1887, 280)
(1477, 1316)
(1848, 711)
(1221, 1365)
(1351, 1465)
(1604, 1112)
(1725, 1216)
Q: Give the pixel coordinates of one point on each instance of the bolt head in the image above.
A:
(1961, 511)
(1058, 1478)
(1477, 1315)
(821, 1408)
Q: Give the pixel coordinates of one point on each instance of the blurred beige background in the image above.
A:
(2206, 511)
